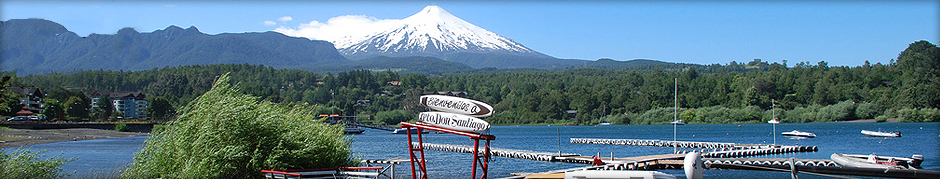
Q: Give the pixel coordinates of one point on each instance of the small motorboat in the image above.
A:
(878, 162)
(354, 130)
(405, 131)
(881, 134)
(677, 122)
(797, 133)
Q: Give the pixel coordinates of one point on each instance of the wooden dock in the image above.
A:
(716, 158)
(710, 149)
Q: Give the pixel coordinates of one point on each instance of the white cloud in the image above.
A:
(285, 19)
(269, 23)
(342, 30)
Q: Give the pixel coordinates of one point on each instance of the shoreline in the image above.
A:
(10, 138)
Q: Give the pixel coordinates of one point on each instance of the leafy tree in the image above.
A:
(5, 95)
(77, 108)
(104, 109)
(53, 109)
(160, 108)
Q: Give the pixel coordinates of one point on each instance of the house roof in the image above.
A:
(28, 91)
(118, 95)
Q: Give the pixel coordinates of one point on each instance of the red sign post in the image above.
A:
(478, 158)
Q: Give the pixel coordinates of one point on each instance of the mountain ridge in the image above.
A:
(42, 46)
(38, 46)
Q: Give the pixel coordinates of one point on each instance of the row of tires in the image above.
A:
(653, 143)
(820, 163)
(519, 154)
(762, 151)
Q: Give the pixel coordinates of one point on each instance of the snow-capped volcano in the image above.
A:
(431, 32)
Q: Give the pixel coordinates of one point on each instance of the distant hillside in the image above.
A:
(636, 64)
(405, 65)
(37, 46)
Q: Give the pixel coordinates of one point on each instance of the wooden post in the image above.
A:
(793, 169)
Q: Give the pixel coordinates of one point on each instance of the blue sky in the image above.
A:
(842, 33)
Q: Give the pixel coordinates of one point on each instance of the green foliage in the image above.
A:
(227, 134)
(729, 93)
(393, 117)
(838, 112)
(77, 108)
(868, 110)
(160, 108)
(5, 95)
(23, 163)
(918, 115)
(103, 108)
(120, 127)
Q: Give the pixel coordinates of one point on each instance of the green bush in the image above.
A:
(918, 115)
(881, 119)
(120, 127)
(868, 110)
(227, 134)
(393, 117)
(23, 163)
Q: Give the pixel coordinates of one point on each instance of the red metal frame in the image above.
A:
(478, 158)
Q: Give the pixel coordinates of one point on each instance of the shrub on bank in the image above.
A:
(227, 134)
(23, 163)
(120, 127)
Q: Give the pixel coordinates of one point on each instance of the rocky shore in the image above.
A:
(22, 137)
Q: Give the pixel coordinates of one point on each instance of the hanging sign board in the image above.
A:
(452, 121)
(457, 105)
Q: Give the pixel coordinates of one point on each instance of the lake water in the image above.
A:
(105, 158)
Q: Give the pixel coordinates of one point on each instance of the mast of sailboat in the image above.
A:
(774, 121)
(675, 115)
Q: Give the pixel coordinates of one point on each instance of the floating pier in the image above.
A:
(658, 143)
(718, 149)
(717, 156)
(507, 153)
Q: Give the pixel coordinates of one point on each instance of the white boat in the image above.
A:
(405, 131)
(799, 134)
(878, 162)
(604, 124)
(354, 130)
(678, 122)
(881, 134)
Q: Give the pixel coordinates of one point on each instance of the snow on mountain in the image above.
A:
(431, 32)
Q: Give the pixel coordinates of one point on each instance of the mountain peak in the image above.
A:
(432, 13)
(433, 32)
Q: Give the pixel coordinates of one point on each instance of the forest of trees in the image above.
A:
(906, 89)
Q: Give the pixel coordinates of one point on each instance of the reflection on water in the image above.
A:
(107, 157)
(103, 158)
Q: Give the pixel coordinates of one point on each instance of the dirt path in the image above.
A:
(22, 137)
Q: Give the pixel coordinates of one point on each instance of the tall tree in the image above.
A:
(919, 65)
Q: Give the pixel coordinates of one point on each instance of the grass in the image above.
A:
(23, 163)
(227, 134)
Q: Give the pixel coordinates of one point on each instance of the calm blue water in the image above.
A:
(97, 158)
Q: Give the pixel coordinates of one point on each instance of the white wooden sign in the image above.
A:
(457, 105)
(452, 121)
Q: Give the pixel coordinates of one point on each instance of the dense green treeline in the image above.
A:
(905, 89)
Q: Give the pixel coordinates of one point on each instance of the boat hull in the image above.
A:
(881, 134)
(858, 162)
(799, 134)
